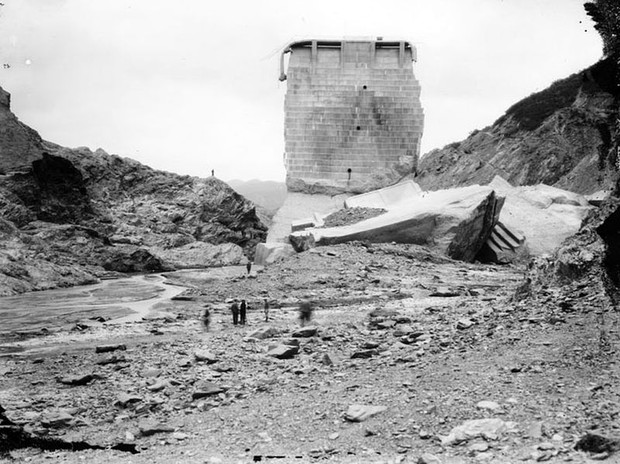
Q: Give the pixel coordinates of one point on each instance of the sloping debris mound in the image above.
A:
(589, 259)
(13, 437)
(345, 217)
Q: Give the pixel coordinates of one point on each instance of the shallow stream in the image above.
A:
(122, 300)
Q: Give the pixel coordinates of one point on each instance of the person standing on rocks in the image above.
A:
(206, 318)
(248, 266)
(234, 309)
(305, 312)
(266, 310)
(242, 311)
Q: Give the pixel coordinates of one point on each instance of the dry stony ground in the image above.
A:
(446, 335)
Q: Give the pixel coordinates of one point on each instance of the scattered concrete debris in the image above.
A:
(489, 429)
(362, 412)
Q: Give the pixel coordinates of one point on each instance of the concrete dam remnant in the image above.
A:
(353, 118)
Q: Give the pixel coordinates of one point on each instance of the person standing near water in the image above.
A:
(234, 309)
(242, 311)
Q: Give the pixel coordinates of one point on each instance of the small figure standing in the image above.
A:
(212, 172)
(206, 318)
(305, 312)
(249, 267)
(242, 311)
(266, 310)
(234, 309)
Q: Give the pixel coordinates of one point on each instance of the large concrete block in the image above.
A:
(351, 114)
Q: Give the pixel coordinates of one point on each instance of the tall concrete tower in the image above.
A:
(353, 118)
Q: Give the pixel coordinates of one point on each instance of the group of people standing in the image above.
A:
(239, 311)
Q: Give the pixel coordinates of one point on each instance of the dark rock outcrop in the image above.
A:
(19, 144)
(70, 216)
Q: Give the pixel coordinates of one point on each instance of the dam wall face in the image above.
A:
(353, 118)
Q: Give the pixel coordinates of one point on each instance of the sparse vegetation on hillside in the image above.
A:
(532, 111)
(606, 17)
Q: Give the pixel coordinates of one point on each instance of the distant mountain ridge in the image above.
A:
(266, 193)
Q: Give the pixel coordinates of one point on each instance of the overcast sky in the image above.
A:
(191, 86)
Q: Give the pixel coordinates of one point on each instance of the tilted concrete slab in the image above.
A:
(304, 207)
(456, 222)
(545, 215)
(390, 197)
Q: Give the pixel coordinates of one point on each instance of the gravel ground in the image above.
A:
(398, 327)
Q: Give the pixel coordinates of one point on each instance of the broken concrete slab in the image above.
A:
(504, 246)
(455, 222)
(387, 197)
(300, 206)
(544, 215)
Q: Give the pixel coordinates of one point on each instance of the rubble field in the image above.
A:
(409, 357)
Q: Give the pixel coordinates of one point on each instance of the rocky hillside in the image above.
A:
(70, 216)
(561, 136)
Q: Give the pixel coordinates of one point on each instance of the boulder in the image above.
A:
(361, 412)
(463, 324)
(455, 222)
(329, 359)
(489, 429)
(205, 356)
(56, 419)
(282, 351)
(363, 354)
(428, 458)
(108, 348)
(402, 330)
(263, 332)
(201, 254)
(305, 332)
(79, 379)
(134, 260)
(488, 405)
(385, 324)
(302, 241)
(269, 253)
(149, 427)
(125, 399)
(206, 389)
(290, 341)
